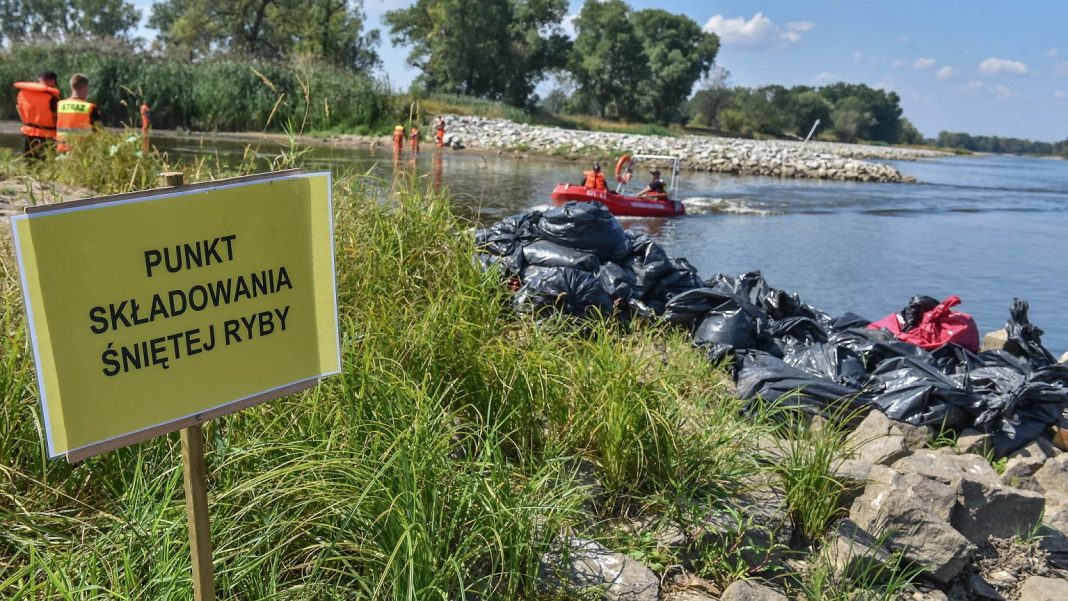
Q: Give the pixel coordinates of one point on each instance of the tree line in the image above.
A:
(846, 112)
(616, 63)
(997, 144)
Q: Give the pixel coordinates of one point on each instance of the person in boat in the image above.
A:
(656, 187)
(594, 178)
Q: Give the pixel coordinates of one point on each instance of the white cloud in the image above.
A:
(973, 87)
(758, 30)
(897, 64)
(800, 26)
(996, 66)
(1061, 68)
(1051, 53)
(923, 63)
(568, 25)
(858, 56)
(946, 72)
(1059, 94)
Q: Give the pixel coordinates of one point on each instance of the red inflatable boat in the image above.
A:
(618, 202)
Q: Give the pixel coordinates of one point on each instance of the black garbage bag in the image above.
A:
(1018, 403)
(682, 277)
(832, 362)
(845, 322)
(913, 313)
(510, 264)
(804, 330)
(587, 226)
(648, 260)
(618, 281)
(768, 378)
(502, 238)
(547, 254)
(734, 329)
(687, 308)
(1025, 338)
(572, 291)
(917, 392)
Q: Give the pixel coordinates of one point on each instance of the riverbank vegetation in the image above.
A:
(460, 444)
(996, 144)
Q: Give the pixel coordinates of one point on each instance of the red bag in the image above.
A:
(940, 326)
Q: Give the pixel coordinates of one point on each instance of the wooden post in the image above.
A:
(194, 477)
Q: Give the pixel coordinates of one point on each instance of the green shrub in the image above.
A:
(219, 94)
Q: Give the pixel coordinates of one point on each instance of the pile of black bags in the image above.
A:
(578, 259)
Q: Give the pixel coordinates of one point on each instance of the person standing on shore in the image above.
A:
(76, 115)
(439, 132)
(37, 104)
(415, 139)
(398, 141)
(146, 125)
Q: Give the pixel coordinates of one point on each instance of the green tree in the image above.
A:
(853, 120)
(66, 20)
(331, 30)
(608, 60)
(710, 99)
(678, 52)
(497, 49)
(808, 106)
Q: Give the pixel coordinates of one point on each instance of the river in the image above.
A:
(986, 228)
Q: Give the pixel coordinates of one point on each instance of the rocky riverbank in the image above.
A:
(813, 160)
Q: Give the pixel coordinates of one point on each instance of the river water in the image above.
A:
(986, 228)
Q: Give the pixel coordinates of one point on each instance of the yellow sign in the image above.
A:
(151, 312)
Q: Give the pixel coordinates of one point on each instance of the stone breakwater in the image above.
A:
(813, 160)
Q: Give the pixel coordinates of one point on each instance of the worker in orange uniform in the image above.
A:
(415, 139)
(594, 179)
(439, 132)
(76, 116)
(146, 125)
(37, 103)
(398, 140)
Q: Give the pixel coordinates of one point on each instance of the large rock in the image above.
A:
(995, 341)
(1053, 475)
(1040, 588)
(878, 440)
(910, 513)
(985, 505)
(588, 565)
(747, 590)
(853, 551)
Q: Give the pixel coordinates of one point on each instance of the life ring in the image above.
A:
(623, 169)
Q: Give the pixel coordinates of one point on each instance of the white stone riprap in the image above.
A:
(777, 158)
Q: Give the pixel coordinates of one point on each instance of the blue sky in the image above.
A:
(984, 67)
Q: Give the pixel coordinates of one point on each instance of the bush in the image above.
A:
(219, 94)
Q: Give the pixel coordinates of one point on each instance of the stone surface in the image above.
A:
(1053, 475)
(981, 589)
(913, 520)
(985, 505)
(972, 441)
(687, 595)
(747, 590)
(995, 341)
(818, 160)
(588, 565)
(876, 440)
(853, 551)
(1040, 588)
(1064, 358)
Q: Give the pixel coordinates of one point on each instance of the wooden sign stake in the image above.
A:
(195, 479)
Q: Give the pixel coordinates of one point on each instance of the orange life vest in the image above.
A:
(75, 119)
(34, 104)
(595, 180)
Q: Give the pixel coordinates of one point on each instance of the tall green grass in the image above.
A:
(438, 465)
(220, 94)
